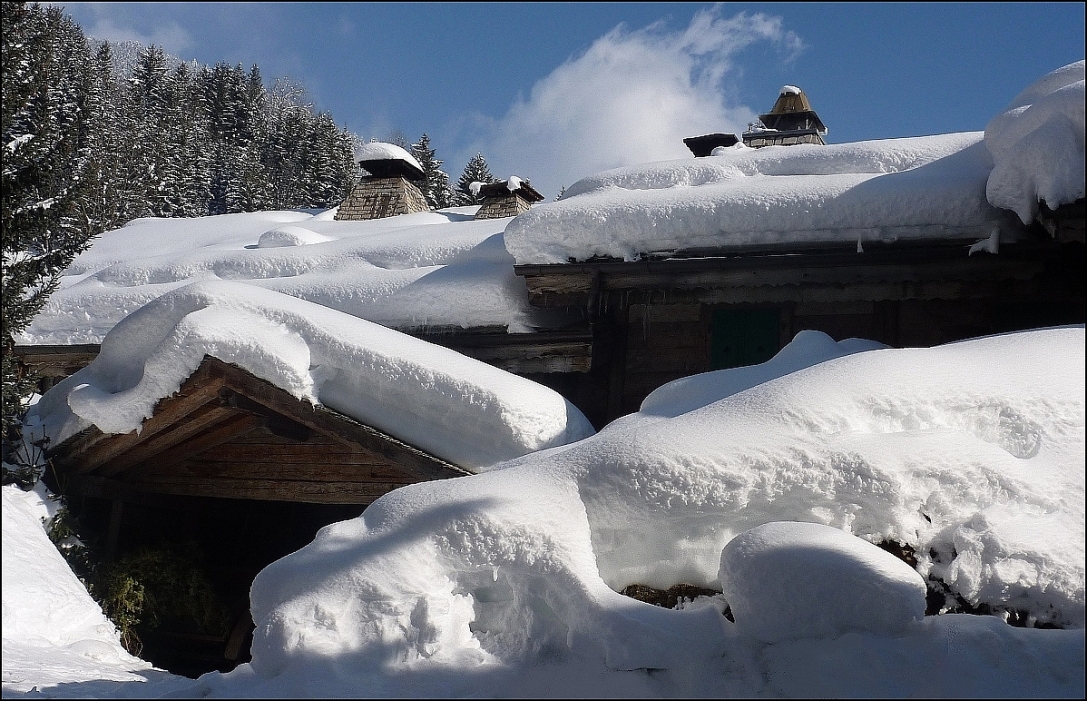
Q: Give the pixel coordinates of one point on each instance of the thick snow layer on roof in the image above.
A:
(457, 408)
(380, 151)
(431, 269)
(1038, 145)
(888, 190)
(970, 453)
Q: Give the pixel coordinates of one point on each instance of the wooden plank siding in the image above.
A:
(652, 318)
(228, 434)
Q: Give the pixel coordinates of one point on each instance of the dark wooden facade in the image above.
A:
(656, 320)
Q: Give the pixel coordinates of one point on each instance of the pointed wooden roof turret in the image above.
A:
(790, 121)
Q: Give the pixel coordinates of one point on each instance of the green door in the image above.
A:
(743, 337)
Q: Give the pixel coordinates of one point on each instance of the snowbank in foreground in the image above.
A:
(888, 190)
(1038, 145)
(971, 453)
(53, 630)
(455, 407)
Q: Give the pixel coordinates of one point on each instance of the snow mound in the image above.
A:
(970, 453)
(380, 151)
(1038, 145)
(455, 407)
(45, 607)
(806, 349)
(888, 190)
(290, 236)
(788, 580)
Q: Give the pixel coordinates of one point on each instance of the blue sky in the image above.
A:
(557, 91)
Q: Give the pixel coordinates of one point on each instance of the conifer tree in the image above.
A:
(436, 181)
(46, 83)
(476, 171)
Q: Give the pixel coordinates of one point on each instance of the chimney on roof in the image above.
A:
(388, 189)
(791, 121)
(505, 198)
(705, 144)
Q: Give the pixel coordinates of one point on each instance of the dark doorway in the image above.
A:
(743, 337)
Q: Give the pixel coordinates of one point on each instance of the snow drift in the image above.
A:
(455, 407)
(970, 453)
(50, 622)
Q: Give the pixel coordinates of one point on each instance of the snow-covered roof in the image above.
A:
(1037, 145)
(955, 186)
(381, 151)
(790, 90)
(889, 190)
(415, 271)
(454, 407)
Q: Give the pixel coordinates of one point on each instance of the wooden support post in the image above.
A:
(116, 513)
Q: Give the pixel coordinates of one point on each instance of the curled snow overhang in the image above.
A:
(1037, 145)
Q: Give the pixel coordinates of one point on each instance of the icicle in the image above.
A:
(860, 248)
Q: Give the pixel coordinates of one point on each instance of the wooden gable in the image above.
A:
(229, 434)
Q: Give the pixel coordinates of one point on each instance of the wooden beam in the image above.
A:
(270, 468)
(265, 489)
(233, 426)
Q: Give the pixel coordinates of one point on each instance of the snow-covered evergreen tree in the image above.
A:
(46, 84)
(436, 184)
(476, 171)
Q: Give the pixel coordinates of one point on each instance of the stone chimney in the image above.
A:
(389, 188)
(505, 198)
(704, 145)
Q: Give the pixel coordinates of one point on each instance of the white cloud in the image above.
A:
(631, 98)
(142, 22)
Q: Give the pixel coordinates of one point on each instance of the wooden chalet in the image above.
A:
(214, 438)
